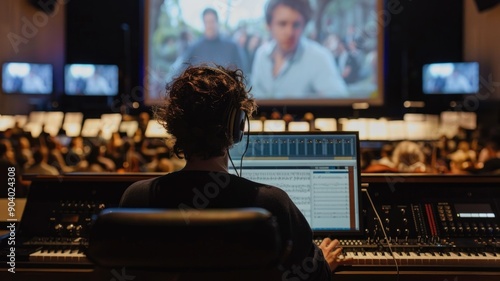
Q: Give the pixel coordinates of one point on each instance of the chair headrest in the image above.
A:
(185, 240)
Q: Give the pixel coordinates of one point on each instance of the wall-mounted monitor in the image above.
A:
(91, 79)
(450, 78)
(27, 78)
(337, 58)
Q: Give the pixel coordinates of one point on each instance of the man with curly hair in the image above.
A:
(198, 105)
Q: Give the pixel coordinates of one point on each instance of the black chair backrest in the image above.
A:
(185, 240)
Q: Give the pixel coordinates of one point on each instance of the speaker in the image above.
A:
(483, 5)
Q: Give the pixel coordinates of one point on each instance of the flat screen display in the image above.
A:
(318, 170)
(334, 58)
(91, 79)
(27, 78)
(450, 78)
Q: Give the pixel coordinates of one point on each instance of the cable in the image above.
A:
(383, 231)
(244, 152)
(232, 163)
(246, 147)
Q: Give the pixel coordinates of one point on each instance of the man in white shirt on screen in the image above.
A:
(456, 82)
(98, 85)
(291, 66)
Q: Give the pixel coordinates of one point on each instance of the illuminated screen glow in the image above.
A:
(91, 79)
(337, 62)
(450, 78)
(27, 78)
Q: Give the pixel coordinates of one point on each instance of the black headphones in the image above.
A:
(236, 123)
(235, 118)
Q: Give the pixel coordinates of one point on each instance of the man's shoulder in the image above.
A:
(144, 183)
(265, 49)
(313, 48)
(227, 41)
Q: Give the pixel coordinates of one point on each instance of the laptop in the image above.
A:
(320, 171)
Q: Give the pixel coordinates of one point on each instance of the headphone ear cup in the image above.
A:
(236, 124)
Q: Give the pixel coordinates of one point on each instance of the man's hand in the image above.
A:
(333, 253)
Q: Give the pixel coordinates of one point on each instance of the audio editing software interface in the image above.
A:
(319, 171)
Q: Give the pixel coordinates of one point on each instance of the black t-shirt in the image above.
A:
(201, 189)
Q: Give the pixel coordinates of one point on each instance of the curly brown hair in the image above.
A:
(197, 106)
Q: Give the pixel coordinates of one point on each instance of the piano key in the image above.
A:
(433, 258)
(58, 256)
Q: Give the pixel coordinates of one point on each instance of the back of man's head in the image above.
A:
(198, 105)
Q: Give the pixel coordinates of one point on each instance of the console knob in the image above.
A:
(70, 227)
(58, 227)
(407, 232)
(490, 230)
(78, 229)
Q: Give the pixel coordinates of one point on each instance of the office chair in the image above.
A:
(212, 244)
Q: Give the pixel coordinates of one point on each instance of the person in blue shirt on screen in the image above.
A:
(212, 47)
(456, 82)
(291, 66)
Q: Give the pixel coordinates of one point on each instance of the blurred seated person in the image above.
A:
(55, 157)
(461, 166)
(132, 160)
(491, 164)
(76, 152)
(384, 164)
(8, 165)
(41, 166)
(463, 153)
(160, 163)
(490, 149)
(199, 107)
(96, 161)
(408, 157)
(24, 153)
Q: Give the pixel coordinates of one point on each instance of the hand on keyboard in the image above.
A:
(333, 253)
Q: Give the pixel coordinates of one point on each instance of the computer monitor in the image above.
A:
(91, 79)
(27, 78)
(320, 171)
